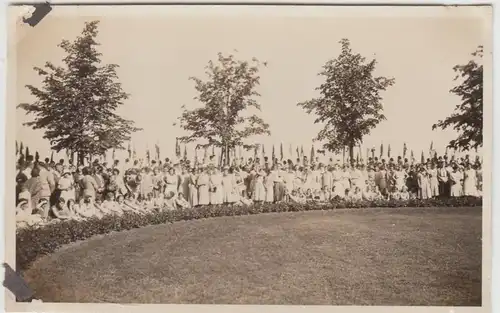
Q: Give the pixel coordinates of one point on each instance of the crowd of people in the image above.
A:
(48, 192)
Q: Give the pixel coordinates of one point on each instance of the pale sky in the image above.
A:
(158, 53)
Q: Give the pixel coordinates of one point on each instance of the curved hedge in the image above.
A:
(32, 243)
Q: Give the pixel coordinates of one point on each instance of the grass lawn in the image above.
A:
(428, 256)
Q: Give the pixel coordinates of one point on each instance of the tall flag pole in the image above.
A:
(157, 148)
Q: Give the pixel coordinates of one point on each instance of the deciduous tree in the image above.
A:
(467, 119)
(76, 103)
(228, 96)
(350, 104)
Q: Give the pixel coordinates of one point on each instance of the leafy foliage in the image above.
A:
(32, 243)
(468, 116)
(349, 104)
(228, 95)
(76, 103)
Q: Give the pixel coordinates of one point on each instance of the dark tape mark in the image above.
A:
(16, 284)
(41, 10)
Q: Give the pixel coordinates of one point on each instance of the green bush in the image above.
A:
(32, 243)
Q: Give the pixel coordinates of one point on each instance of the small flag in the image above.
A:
(185, 153)
(298, 154)
(281, 151)
(431, 148)
(273, 155)
(37, 156)
(381, 150)
(312, 153)
(113, 154)
(404, 150)
(290, 151)
(129, 149)
(148, 157)
(205, 155)
(27, 151)
(302, 152)
(263, 151)
(52, 157)
(422, 158)
(21, 149)
(17, 148)
(389, 151)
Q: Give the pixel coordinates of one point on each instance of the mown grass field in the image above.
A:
(404, 256)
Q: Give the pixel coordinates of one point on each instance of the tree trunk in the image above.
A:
(221, 157)
(351, 153)
(228, 156)
(81, 158)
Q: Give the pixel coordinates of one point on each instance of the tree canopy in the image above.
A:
(467, 119)
(76, 103)
(350, 104)
(228, 96)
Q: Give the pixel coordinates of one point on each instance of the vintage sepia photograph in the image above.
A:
(252, 155)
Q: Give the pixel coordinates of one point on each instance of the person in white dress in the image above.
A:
(203, 187)
(216, 192)
(423, 183)
(193, 187)
(24, 216)
(269, 186)
(455, 178)
(433, 180)
(171, 180)
(229, 187)
(470, 181)
(259, 191)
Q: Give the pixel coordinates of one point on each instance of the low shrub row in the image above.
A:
(32, 243)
